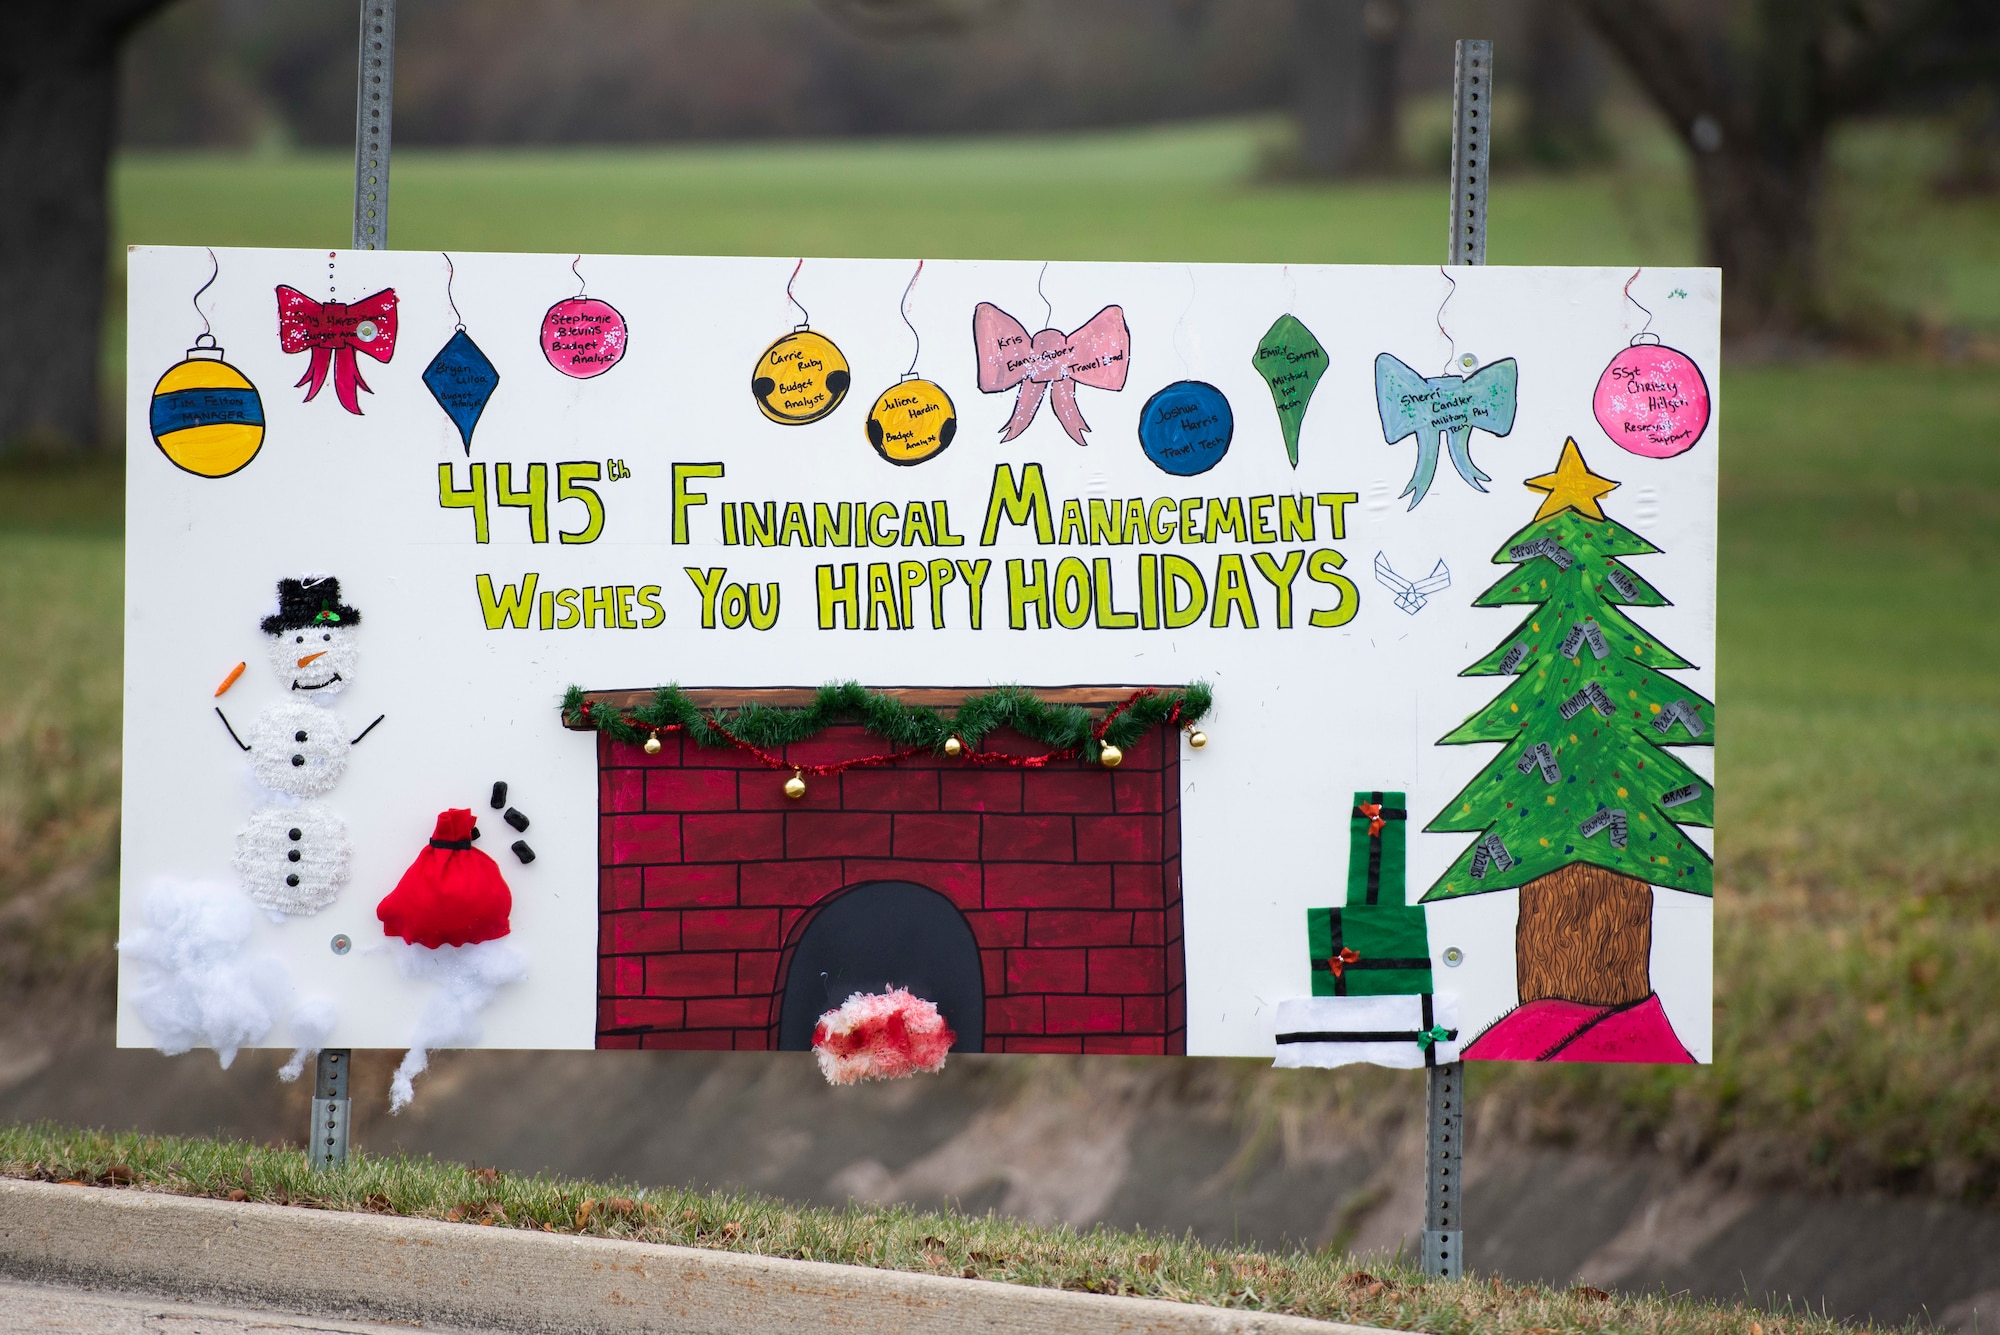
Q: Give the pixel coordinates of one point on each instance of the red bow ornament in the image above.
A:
(1373, 811)
(1348, 955)
(1051, 364)
(333, 332)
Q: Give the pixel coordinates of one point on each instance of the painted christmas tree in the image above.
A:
(1582, 808)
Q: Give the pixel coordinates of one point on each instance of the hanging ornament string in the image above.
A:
(1451, 356)
(805, 316)
(206, 339)
(451, 277)
(916, 339)
(1644, 335)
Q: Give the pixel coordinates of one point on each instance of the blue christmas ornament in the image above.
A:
(1185, 429)
(461, 380)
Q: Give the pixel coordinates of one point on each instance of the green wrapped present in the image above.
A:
(1375, 849)
(1376, 945)
(1369, 950)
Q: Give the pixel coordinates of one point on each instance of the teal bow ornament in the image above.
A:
(1435, 1034)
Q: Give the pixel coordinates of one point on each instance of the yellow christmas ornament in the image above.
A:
(206, 416)
(953, 747)
(1110, 756)
(795, 787)
(913, 420)
(802, 376)
(1197, 738)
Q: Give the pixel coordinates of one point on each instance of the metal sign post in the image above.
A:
(374, 103)
(1444, 1117)
(374, 100)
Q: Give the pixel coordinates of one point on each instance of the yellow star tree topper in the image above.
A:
(1572, 486)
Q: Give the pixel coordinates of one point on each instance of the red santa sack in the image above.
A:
(452, 895)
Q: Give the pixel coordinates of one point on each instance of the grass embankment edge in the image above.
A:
(1326, 1285)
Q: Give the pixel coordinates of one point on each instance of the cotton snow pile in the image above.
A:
(312, 1025)
(191, 982)
(467, 978)
(881, 1036)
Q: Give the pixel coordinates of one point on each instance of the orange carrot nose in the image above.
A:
(310, 657)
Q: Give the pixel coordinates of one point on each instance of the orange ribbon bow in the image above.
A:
(1373, 811)
(1348, 955)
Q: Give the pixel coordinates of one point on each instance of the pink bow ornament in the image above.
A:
(1051, 364)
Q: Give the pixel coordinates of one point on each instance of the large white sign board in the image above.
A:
(1336, 631)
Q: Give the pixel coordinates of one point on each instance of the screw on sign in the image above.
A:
(1652, 400)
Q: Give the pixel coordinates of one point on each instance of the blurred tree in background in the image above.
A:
(1755, 90)
(58, 87)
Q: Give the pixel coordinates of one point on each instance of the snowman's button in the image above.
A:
(295, 833)
(292, 856)
(299, 736)
(293, 879)
(298, 760)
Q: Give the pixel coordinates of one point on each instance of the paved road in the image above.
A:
(42, 1308)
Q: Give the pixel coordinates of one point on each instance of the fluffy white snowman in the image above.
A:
(292, 858)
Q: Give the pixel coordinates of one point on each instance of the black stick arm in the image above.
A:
(364, 732)
(232, 732)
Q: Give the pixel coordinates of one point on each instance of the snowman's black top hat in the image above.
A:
(310, 602)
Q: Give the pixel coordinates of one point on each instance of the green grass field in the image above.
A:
(1858, 905)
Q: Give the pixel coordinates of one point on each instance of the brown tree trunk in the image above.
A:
(1585, 934)
(1348, 95)
(58, 80)
(1760, 225)
(1563, 86)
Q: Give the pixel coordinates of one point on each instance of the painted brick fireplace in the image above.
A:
(1067, 876)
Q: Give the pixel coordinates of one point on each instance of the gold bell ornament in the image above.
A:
(1196, 737)
(652, 747)
(795, 787)
(953, 747)
(1110, 756)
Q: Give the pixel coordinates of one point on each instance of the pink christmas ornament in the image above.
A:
(1652, 400)
(583, 337)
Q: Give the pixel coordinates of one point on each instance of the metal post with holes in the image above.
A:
(374, 100)
(1444, 1116)
(326, 1145)
(374, 105)
(1471, 123)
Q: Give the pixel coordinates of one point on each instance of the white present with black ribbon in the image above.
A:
(1401, 1031)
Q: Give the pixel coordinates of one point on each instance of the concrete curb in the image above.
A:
(380, 1268)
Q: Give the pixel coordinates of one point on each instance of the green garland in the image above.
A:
(906, 727)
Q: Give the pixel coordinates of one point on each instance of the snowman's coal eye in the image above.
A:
(299, 736)
(298, 639)
(327, 636)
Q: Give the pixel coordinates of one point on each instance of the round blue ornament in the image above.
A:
(1185, 429)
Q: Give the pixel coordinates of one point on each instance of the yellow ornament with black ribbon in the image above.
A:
(207, 417)
(912, 421)
(800, 378)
